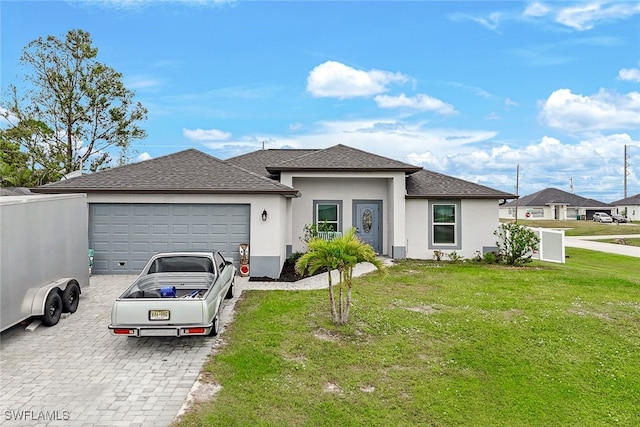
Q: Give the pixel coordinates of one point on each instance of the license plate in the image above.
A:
(159, 314)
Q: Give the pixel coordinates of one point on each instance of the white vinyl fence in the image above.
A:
(551, 246)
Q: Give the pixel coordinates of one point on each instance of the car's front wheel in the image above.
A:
(230, 291)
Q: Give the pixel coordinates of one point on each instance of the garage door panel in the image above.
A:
(180, 229)
(124, 236)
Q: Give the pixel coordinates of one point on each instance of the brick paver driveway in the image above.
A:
(76, 373)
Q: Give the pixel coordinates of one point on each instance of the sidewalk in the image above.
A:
(588, 242)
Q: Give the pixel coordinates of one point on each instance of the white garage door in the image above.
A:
(124, 236)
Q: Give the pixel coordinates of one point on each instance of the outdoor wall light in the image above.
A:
(264, 215)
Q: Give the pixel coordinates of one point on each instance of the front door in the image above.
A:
(367, 221)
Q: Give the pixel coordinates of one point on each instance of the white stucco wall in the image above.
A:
(330, 188)
(478, 217)
(633, 211)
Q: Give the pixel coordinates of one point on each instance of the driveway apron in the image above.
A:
(77, 374)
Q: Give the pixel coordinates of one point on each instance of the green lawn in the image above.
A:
(583, 228)
(440, 344)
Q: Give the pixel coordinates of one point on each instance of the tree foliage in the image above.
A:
(515, 243)
(342, 254)
(75, 112)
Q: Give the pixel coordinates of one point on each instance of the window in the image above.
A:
(444, 224)
(327, 214)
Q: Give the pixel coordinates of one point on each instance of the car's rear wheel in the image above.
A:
(214, 328)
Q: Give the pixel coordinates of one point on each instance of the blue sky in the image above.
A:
(470, 89)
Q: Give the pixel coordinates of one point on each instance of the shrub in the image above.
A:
(515, 242)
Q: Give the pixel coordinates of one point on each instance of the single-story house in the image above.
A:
(552, 203)
(629, 207)
(192, 201)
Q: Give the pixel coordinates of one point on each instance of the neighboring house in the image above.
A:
(552, 203)
(629, 207)
(191, 200)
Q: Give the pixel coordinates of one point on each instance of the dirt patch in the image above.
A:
(203, 390)
(332, 387)
(324, 335)
(424, 309)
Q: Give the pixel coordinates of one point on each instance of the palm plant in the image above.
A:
(342, 253)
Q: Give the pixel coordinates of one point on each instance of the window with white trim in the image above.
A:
(327, 214)
(444, 224)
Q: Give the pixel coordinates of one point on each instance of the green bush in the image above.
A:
(515, 243)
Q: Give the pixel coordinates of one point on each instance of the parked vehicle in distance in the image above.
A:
(176, 294)
(602, 217)
(618, 218)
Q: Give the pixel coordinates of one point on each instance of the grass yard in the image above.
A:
(440, 344)
(583, 228)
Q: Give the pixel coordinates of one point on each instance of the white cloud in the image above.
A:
(604, 110)
(419, 102)
(143, 156)
(142, 82)
(630, 74)
(584, 16)
(206, 134)
(537, 9)
(334, 79)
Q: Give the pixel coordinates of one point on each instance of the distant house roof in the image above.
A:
(14, 191)
(189, 172)
(428, 184)
(553, 196)
(632, 200)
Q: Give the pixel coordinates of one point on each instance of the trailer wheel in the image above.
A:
(52, 309)
(71, 298)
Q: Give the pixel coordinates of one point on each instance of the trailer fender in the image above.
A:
(38, 297)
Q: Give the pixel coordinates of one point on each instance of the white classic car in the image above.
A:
(177, 294)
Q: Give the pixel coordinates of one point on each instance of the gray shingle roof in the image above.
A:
(632, 200)
(257, 161)
(189, 172)
(555, 196)
(341, 158)
(428, 184)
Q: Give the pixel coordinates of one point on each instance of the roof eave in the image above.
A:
(460, 196)
(276, 170)
(50, 190)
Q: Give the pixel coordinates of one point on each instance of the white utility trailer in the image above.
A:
(43, 256)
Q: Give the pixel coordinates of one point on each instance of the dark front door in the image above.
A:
(367, 221)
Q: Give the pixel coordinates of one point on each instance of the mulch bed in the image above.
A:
(288, 274)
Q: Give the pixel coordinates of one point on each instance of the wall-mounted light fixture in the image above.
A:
(264, 215)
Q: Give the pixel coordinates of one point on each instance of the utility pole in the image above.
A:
(517, 185)
(571, 184)
(626, 172)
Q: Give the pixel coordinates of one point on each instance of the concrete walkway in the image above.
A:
(319, 281)
(588, 242)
